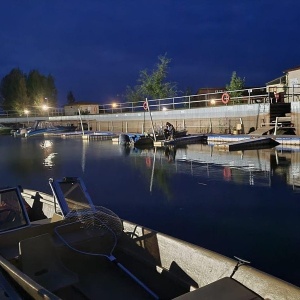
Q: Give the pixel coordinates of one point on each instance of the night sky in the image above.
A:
(96, 48)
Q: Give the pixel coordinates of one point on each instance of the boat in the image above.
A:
(42, 127)
(5, 130)
(77, 250)
(178, 134)
(250, 143)
(184, 140)
(136, 140)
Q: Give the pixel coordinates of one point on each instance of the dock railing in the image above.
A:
(237, 97)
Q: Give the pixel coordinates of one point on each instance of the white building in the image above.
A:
(85, 108)
(287, 87)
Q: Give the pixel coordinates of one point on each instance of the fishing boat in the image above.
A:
(77, 250)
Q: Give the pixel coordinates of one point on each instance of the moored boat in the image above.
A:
(136, 140)
(4, 130)
(177, 134)
(41, 127)
(81, 251)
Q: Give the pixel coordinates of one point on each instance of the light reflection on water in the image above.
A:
(236, 203)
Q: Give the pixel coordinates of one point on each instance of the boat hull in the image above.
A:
(152, 263)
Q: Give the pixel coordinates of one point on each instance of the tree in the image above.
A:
(20, 92)
(14, 91)
(50, 90)
(41, 88)
(236, 83)
(70, 98)
(153, 85)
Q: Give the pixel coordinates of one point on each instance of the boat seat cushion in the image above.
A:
(223, 289)
(40, 261)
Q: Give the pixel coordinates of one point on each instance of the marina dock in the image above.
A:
(214, 139)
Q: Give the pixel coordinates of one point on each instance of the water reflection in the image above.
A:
(49, 155)
(249, 167)
(83, 157)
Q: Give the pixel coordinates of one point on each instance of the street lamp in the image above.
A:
(46, 108)
(113, 105)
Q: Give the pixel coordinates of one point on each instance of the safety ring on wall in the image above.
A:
(145, 105)
(225, 98)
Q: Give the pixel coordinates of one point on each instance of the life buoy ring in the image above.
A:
(145, 105)
(225, 98)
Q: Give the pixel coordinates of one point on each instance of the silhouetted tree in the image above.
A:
(14, 91)
(21, 92)
(70, 98)
(153, 85)
(236, 83)
(41, 89)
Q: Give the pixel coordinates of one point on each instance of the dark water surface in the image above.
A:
(245, 204)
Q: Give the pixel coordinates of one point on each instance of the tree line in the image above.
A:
(20, 91)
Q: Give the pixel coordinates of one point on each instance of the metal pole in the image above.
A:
(154, 136)
(80, 121)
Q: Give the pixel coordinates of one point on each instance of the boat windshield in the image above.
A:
(71, 193)
(12, 210)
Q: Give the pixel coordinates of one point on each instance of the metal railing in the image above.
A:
(246, 96)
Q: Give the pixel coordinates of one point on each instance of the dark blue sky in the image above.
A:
(96, 48)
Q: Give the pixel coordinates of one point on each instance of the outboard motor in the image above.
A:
(124, 139)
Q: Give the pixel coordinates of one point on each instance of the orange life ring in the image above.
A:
(145, 105)
(225, 98)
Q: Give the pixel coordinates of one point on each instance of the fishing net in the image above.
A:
(94, 231)
(91, 231)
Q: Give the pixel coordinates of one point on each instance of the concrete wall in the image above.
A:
(199, 120)
(295, 116)
(220, 119)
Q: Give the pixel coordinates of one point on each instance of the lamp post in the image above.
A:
(46, 105)
(26, 112)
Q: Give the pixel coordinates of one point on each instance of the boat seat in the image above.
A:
(40, 261)
(223, 289)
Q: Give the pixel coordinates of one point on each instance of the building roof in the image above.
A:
(81, 103)
(279, 80)
(292, 69)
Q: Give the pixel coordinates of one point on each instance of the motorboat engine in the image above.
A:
(124, 139)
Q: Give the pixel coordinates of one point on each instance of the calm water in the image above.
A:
(245, 204)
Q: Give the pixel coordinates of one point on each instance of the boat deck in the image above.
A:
(168, 268)
(97, 275)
